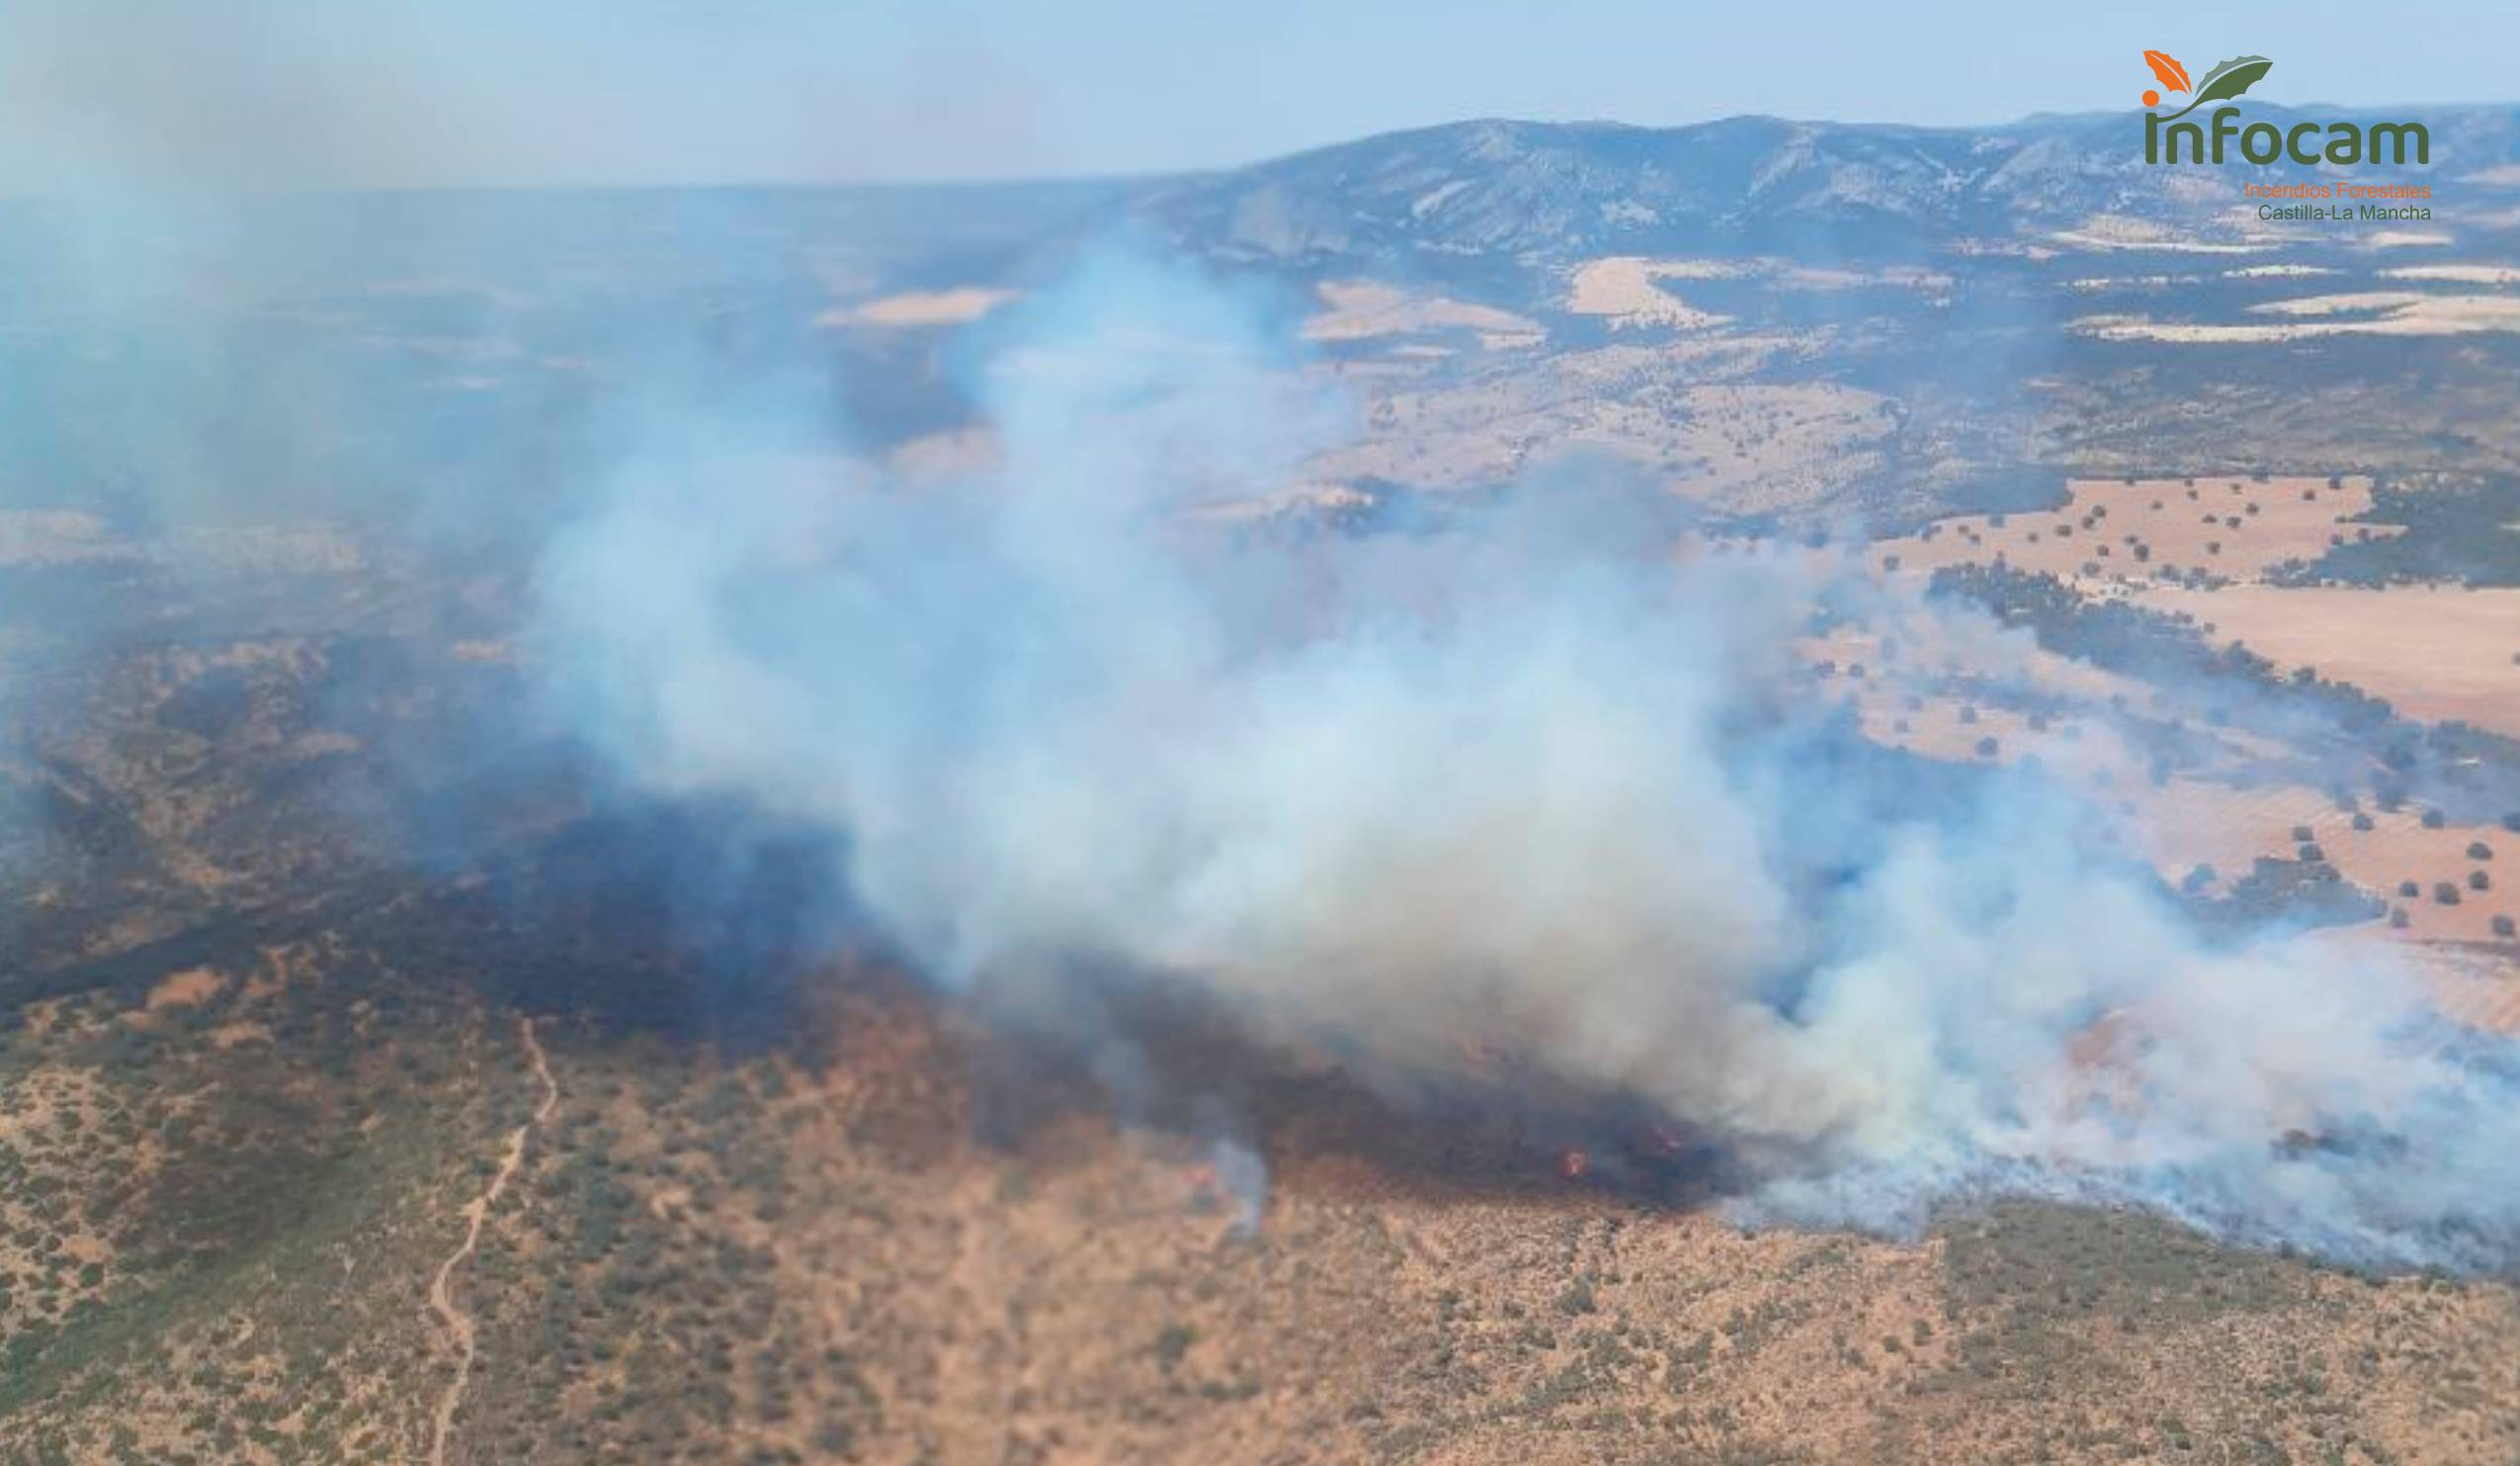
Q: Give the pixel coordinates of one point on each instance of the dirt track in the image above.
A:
(458, 1324)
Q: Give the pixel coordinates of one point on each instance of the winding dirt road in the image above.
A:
(457, 1322)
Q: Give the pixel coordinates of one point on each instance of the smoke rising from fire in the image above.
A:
(1526, 773)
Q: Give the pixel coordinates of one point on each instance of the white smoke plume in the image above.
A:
(1528, 775)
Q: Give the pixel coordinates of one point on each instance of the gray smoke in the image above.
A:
(1530, 776)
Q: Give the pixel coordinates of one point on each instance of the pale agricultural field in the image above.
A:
(2103, 231)
(2434, 652)
(947, 307)
(1629, 291)
(2366, 314)
(1961, 703)
(2115, 534)
(1625, 289)
(2479, 987)
(1362, 310)
(1936, 687)
(2497, 275)
(2190, 823)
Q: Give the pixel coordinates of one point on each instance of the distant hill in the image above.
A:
(1549, 191)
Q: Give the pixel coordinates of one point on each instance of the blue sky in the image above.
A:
(284, 93)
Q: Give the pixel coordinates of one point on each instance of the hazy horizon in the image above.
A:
(281, 95)
(1118, 177)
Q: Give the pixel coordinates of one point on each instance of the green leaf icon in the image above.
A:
(2227, 81)
(2232, 78)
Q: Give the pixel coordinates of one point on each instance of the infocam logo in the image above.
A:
(2208, 141)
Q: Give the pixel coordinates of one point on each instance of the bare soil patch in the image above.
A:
(2434, 652)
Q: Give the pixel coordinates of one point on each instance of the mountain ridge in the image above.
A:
(1544, 192)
